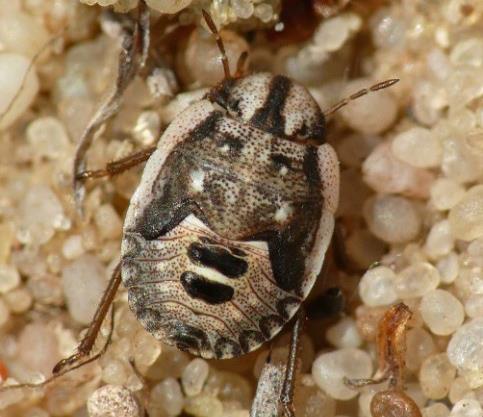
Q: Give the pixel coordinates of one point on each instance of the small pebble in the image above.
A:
(170, 363)
(194, 376)
(459, 389)
(329, 370)
(168, 6)
(200, 62)
(15, 98)
(166, 398)
(18, 300)
(4, 313)
(108, 222)
(146, 349)
(11, 397)
(364, 248)
(419, 345)
(465, 350)
(39, 215)
(475, 252)
(448, 268)
(391, 218)
(242, 8)
(22, 33)
(84, 282)
(48, 137)
(466, 218)
(9, 278)
(446, 193)
(38, 349)
(418, 147)
(474, 306)
(387, 174)
(310, 401)
(416, 280)
(360, 114)
(388, 31)
(147, 128)
(264, 12)
(229, 387)
(376, 287)
(467, 408)
(468, 52)
(440, 240)
(344, 334)
(442, 312)
(435, 410)
(367, 319)
(436, 376)
(114, 372)
(113, 401)
(73, 247)
(204, 406)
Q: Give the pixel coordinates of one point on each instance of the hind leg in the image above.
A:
(89, 339)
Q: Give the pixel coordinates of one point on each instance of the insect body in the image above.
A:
(227, 231)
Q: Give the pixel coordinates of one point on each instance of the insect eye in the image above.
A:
(234, 105)
(303, 130)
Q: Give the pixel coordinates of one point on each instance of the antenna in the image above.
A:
(360, 93)
(219, 42)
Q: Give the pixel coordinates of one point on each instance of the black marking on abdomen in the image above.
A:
(202, 288)
(189, 338)
(218, 258)
(290, 246)
(269, 117)
(286, 304)
(250, 338)
(311, 170)
(268, 324)
(227, 348)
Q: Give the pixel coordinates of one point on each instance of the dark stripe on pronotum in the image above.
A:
(269, 117)
(206, 127)
(218, 258)
(202, 288)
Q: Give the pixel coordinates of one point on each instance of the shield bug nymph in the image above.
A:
(227, 231)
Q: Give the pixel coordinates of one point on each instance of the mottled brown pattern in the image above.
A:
(219, 181)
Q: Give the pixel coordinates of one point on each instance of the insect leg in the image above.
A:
(89, 339)
(344, 102)
(68, 370)
(132, 58)
(286, 397)
(269, 387)
(119, 166)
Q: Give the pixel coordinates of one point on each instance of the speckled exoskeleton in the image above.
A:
(227, 231)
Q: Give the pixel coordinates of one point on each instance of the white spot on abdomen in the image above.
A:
(197, 178)
(283, 213)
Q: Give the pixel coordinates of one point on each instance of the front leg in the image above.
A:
(117, 167)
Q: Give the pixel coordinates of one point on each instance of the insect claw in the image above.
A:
(61, 365)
